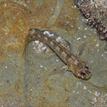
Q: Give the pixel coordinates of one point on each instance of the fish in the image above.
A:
(95, 15)
(61, 48)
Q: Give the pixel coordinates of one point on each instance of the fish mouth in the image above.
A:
(84, 73)
(86, 76)
(83, 76)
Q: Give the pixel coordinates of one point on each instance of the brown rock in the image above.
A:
(14, 25)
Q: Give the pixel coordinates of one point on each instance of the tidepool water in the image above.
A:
(31, 75)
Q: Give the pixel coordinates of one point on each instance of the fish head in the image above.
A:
(81, 71)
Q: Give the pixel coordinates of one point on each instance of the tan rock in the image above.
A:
(14, 25)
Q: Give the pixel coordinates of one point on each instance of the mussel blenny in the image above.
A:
(61, 48)
(95, 12)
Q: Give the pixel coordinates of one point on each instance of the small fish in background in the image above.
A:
(61, 47)
(95, 15)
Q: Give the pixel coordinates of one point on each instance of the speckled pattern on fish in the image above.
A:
(96, 15)
(61, 48)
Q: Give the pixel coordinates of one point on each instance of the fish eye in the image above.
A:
(82, 73)
(86, 67)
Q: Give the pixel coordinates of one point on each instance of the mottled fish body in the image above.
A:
(61, 48)
(95, 14)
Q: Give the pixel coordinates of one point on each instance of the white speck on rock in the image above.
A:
(91, 61)
(79, 28)
(5, 67)
(85, 36)
(57, 60)
(97, 45)
(78, 38)
(5, 5)
(97, 93)
(84, 87)
(31, 89)
(41, 66)
(77, 92)
(102, 55)
(73, 91)
(85, 28)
